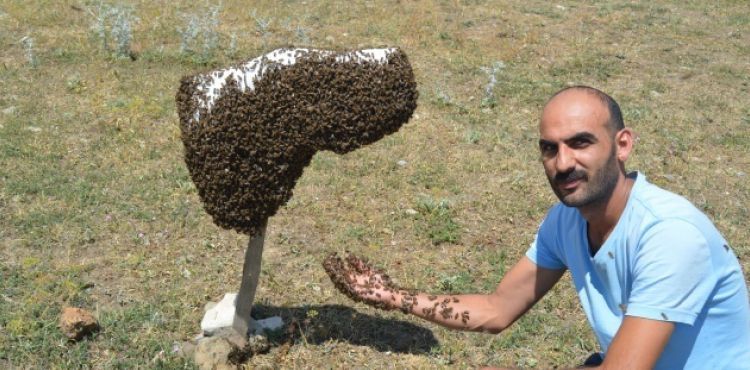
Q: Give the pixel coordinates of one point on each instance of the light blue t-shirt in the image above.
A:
(664, 260)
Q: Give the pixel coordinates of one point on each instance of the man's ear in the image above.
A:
(624, 139)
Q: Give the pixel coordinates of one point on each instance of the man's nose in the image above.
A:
(565, 160)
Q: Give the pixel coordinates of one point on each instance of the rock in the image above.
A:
(212, 353)
(77, 323)
(219, 316)
(185, 349)
(232, 336)
(10, 110)
(226, 349)
(270, 323)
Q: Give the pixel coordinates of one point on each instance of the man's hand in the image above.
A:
(363, 283)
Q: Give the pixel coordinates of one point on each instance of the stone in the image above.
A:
(221, 315)
(184, 349)
(77, 323)
(227, 349)
(212, 353)
(270, 323)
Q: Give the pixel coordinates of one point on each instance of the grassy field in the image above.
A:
(97, 209)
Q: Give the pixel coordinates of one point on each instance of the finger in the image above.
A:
(338, 273)
(358, 264)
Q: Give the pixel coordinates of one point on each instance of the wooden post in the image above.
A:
(250, 276)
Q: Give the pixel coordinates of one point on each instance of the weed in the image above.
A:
(74, 84)
(189, 33)
(262, 25)
(459, 283)
(300, 33)
(436, 221)
(473, 136)
(489, 100)
(121, 31)
(200, 35)
(116, 22)
(211, 33)
(441, 97)
(28, 48)
(232, 51)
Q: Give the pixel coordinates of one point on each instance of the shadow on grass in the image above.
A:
(318, 324)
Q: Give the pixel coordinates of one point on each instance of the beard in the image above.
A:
(593, 189)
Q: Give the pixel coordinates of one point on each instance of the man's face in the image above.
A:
(578, 150)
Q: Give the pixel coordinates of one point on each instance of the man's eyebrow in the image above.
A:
(543, 142)
(582, 136)
(578, 136)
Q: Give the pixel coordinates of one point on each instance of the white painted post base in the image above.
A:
(234, 309)
(222, 315)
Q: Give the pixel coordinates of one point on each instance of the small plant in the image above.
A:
(462, 282)
(189, 34)
(473, 136)
(232, 45)
(122, 31)
(115, 22)
(201, 33)
(210, 29)
(28, 48)
(442, 99)
(100, 24)
(301, 34)
(74, 84)
(437, 221)
(489, 99)
(263, 26)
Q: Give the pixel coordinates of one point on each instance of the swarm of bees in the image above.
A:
(248, 140)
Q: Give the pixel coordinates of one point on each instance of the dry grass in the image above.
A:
(97, 208)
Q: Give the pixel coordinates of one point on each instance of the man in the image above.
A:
(660, 286)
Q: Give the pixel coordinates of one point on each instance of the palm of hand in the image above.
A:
(360, 281)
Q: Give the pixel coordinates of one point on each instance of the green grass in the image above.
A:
(98, 210)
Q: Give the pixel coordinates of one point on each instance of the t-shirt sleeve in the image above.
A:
(543, 250)
(672, 273)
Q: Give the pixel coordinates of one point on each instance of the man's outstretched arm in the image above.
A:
(518, 291)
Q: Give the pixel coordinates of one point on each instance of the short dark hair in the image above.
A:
(616, 123)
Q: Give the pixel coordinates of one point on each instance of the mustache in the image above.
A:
(569, 176)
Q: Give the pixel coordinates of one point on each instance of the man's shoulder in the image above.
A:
(560, 212)
(561, 218)
(659, 210)
(662, 204)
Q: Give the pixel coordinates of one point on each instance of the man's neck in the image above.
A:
(602, 217)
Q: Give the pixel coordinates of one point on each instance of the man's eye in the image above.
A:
(548, 149)
(580, 143)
